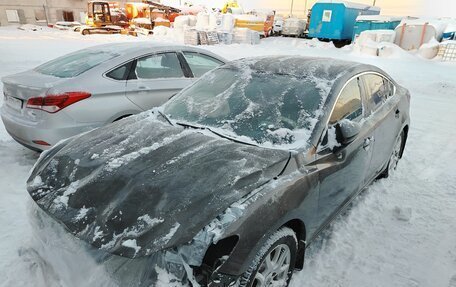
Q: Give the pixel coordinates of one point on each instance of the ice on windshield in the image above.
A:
(272, 104)
(74, 64)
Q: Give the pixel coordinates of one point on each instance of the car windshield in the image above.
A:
(260, 107)
(74, 64)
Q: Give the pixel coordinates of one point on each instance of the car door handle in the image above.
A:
(367, 142)
(143, 88)
(397, 113)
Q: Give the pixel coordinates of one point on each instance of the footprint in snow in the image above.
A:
(403, 213)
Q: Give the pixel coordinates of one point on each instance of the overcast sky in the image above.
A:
(432, 8)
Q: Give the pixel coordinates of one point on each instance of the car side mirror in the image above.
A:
(346, 131)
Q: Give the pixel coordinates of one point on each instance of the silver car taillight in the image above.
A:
(54, 103)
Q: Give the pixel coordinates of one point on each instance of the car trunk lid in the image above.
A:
(18, 88)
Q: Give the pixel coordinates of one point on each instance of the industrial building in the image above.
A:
(42, 12)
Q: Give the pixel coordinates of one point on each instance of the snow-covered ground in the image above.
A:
(400, 232)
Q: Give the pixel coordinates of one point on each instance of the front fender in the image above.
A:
(291, 197)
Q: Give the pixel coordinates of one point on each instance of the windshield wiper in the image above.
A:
(214, 132)
(166, 117)
(186, 125)
(231, 139)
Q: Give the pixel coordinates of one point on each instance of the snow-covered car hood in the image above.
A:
(141, 185)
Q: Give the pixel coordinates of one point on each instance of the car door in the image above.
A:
(386, 115)
(199, 63)
(155, 78)
(342, 168)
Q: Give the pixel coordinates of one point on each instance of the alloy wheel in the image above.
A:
(396, 155)
(274, 268)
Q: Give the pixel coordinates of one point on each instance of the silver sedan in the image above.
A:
(96, 86)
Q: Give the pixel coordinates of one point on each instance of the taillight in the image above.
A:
(54, 103)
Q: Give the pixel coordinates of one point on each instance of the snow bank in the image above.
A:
(429, 50)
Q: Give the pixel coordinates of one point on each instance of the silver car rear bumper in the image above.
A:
(51, 130)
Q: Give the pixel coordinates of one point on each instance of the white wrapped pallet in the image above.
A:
(294, 27)
(213, 22)
(191, 36)
(181, 21)
(202, 21)
(242, 36)
(192, 19)
(227, 23)
(246, 36)
(225, 38)
(254, 37)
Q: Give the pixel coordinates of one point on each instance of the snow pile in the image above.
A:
(376, 36)
(31, 27)
(429, 50)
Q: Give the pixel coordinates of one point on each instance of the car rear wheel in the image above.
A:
(395, 155)
(274, 263)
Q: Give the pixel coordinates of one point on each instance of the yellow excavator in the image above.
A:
(104, 17)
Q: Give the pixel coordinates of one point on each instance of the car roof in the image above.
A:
(133, 47)
(300, 66)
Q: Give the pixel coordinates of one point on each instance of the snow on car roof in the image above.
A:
(296, 65)
(128, 47)
(351, 4)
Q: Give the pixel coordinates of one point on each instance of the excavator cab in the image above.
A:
(98, 14)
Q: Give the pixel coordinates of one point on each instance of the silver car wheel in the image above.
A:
(274, 268)
(396, 155)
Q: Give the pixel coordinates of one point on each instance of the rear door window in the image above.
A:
(349, 105)
(200, 63)
(74, 64)
(159, 66)
(120, 73)
(378, 90)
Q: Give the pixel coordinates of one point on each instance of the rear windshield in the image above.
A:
(74, 64)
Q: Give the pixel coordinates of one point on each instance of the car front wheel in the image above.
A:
(274, 263)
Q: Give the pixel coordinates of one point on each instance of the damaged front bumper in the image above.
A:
(76, 263)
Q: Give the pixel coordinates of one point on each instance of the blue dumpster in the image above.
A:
(374, 22)
(335, 19)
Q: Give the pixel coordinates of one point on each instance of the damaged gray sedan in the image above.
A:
(225, 184)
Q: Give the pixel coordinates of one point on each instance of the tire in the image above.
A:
(85, 32)
(280, 248)
(396, 155)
